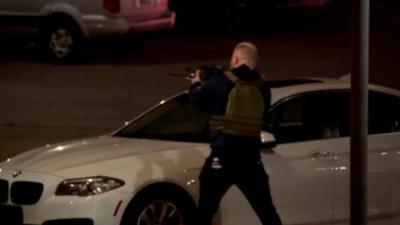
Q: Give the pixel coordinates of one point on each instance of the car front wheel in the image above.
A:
(159, 209)
(161, 212)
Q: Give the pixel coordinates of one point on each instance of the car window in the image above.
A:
(325, 115)
(176, 120)
(384, 113)
(311, 116)
(308, 117)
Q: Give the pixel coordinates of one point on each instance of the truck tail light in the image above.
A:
(112, 5)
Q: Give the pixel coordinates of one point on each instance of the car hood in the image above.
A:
(102, 153)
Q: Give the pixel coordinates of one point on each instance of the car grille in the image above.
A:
(11, 215)
(3, 191)
(26, 193)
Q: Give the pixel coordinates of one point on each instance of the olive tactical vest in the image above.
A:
(244, 111)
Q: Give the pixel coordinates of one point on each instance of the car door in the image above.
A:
(299, 167)
(20, 7)
(8, 6)
(383, 162)
(19, 16)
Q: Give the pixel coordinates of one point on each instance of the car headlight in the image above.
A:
(88, 186)
(3, 163)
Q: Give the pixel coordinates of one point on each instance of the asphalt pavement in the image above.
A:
(115, 80)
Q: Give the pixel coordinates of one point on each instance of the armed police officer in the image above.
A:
(237, 101)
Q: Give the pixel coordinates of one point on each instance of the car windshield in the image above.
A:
(173, 120)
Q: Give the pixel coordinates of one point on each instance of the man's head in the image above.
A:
(244, 53)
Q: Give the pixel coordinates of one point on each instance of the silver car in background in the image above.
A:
(63, 25)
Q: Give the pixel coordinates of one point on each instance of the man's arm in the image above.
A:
(198, 92)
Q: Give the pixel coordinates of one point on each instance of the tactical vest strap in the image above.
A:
(232, 77)
(236, 125)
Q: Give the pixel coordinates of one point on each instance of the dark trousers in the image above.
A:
(219, 174)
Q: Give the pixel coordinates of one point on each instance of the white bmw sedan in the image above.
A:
(146, 172)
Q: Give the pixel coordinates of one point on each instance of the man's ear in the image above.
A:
(234, 61)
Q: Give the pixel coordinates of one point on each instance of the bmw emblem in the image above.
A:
(17, 173)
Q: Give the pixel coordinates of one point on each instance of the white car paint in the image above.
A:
(309, 179)
(138, 166)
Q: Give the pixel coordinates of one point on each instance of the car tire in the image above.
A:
(62, 39)
(159, 207)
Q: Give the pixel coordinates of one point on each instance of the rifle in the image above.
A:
(207, 71)
(180, 74)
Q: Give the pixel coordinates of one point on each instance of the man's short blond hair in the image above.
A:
(247, 53)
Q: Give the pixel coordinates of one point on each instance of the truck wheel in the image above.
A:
(62, 40)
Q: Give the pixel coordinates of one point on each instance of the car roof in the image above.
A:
(297, 86)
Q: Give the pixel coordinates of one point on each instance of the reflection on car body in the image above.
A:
(151, 165)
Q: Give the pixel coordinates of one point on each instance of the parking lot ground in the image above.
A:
(117, 79)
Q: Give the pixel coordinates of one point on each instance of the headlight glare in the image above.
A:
(88, 186)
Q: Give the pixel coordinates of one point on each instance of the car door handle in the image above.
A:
(319, 153)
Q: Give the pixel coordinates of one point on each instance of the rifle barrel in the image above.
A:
(179, 75)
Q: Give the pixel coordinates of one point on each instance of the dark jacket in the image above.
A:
(212, 97)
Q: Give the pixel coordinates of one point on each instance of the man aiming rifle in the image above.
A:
(237, 101)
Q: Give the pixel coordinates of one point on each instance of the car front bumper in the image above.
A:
(60, 210)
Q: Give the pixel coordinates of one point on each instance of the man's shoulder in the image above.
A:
(218, 78)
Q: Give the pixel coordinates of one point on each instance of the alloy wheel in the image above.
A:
(160, 213)
(61, 42)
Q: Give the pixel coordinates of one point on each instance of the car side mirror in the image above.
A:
(267, 140)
